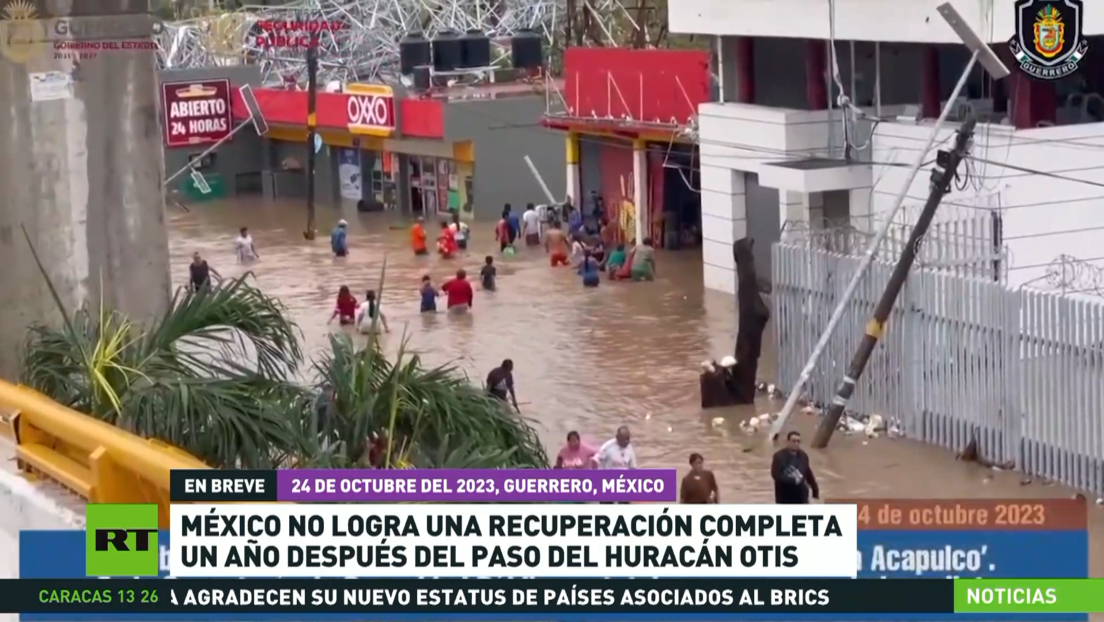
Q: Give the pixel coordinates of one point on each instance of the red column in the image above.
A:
(745, 67)
(930, 84)
(1032, 101)
(816, 72)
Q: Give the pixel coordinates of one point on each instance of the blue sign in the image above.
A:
(882, 553)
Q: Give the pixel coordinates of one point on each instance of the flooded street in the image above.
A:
(586, 359)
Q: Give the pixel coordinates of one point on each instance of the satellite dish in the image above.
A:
(317, 143)
(334, 86)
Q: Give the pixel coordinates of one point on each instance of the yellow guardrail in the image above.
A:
(96, 460)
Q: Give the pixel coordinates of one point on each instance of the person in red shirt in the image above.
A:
(459, 292)
(345, 309)
(502, 234)
(446, 242)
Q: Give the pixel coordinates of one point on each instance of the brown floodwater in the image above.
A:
(586, 359)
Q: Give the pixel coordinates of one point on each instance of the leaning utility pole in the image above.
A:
(312, 121)
(942, 177)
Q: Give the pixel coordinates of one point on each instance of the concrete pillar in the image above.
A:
(1033, 101)
(82, 173)
(816, 74)
(735, 58)
(571, 157)
(724, 220)
(929, 83)
(796, 207)
(640, 190)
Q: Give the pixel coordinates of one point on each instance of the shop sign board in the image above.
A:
(196, 112)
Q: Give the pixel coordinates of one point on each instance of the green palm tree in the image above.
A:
(216, 376)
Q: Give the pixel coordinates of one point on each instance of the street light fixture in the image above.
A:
(986, 56)
(981, 54)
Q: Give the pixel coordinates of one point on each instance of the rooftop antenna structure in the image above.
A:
(366, 49)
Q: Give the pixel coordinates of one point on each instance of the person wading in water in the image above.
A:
(792, 474)
(699, 485)
(199, 277)
(500, 383)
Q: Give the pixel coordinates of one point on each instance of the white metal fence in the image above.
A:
(967, 243)
(964, 358)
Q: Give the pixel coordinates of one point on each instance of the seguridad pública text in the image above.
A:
(514, 526)
(496, 597)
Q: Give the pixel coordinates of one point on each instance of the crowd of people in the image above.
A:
(591, 248)
(794, 481)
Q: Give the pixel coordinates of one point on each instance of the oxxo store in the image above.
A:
(372, 147)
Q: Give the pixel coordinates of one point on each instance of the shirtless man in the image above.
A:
(555, 243)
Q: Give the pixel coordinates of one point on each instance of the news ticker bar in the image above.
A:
(540, 596)
(440, 485)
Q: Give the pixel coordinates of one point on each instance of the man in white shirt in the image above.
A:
(244, 247)
(617, 453)
(532, 226)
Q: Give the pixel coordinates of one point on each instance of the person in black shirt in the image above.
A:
(489, 274)
(200, 273)
(500, 383)
(792, 473)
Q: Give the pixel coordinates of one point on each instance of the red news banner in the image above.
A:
(964, 538)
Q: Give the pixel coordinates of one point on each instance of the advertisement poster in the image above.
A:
(348, 172)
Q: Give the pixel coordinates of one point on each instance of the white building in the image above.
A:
(772, 147)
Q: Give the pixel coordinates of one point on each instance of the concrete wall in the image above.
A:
(239, 160)
(82, 176)
(504, 131)
(859, 20)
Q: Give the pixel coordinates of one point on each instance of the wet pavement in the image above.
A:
(586, 359)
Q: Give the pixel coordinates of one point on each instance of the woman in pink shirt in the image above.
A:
(575, 454)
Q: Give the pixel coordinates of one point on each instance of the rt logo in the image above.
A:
(1049, 43)
(121, 540)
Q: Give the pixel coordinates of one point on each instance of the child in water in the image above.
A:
(429, 295)
(489, 274)
(345, 308)
(588, 269)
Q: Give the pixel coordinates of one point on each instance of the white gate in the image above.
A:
(964, 358)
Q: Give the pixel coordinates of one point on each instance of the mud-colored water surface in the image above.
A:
(586, 359)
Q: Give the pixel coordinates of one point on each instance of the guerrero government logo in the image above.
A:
(22, 34)
(121, 540)
(1048, 43)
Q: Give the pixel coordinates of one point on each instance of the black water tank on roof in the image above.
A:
(414, 51)
(475, 50)
(422, 79)
(447, 54)
(527, 50)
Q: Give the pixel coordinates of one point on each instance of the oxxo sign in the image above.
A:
(369, 108)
